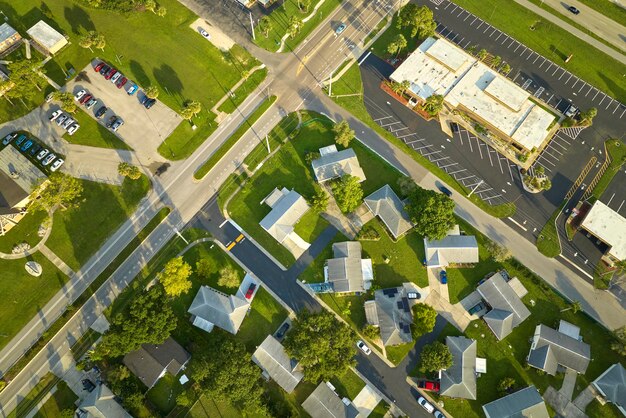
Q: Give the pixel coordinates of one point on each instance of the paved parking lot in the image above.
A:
(615, 195)
(143, 129)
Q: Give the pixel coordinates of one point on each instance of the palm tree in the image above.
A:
(295, 24)
(574, 307)
(406, 84)
(497, 60)
(433, 104)
(482, 54)
(506, 68)
(400, 42)
(152, 92)
(265, 25)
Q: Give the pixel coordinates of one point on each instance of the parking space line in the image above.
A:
(488, 25)
(449, 165)
(616, 107)
(494, 31)
(461, 12)
(546, 160)
(517, 47)
(590, 88)
(543, 165)
(430, 153)
(575, 82)
(473, 20)
(545, 151)
(512, 42)
(620, 206)
(479, 150)
(505, 39)
(404, 136)
(412, 142)
(500, 164)
(560, 145)
(581, 87)
(492, 197)
(609, 202)
(602, 99)
(620, 116)
(481, 23)
(498, 36)
(439, 159)
(447, 5)
(459, 171)
(489, 155)
(610, 103)
(557, 69)
(455, 7)
(417, 149)
(468, 15)
(555, 150)
(594, 97)
(562, 75)
(510, 171)
(570, 76)
(465, 178)
(538, 56)
(400, 129)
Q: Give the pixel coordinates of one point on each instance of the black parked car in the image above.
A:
(282, 330)
(35, 149)
(88, 385)
(445, 191)
(100, 112)
(573, 10)
(149, 103)
(104, 70)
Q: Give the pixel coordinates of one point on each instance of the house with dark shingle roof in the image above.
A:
(151, 361)
(325, 403)
(348, 272)
(212, 308)
(551, 348)
(526, 402)
(385, 204)
(333, 164)
(391, 312)
(507, 309)
(459, 380)
(612, 386)
(272, 358)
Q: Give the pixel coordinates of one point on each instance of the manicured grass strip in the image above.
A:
(34, 396)
(84, 343)
(617, 151)
(553, 42)
(236, 136)
(281, 132)
(240, 94)
(397, 353)
(93, 134)
(375, 31)
(381, 410)
(548, 242)
(24, 231)
(351, 83)
(184, 140)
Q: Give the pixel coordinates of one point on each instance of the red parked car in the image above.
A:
(110, 74)
(85, 98)
(121, 82)
(99, 67)
(250, 291)
(428, 385)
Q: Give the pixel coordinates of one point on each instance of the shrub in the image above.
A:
(368, 233)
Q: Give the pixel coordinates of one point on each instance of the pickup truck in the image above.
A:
(428, 385)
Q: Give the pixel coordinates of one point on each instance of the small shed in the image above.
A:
(47, 38)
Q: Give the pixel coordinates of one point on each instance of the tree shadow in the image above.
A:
(167, 77)
(79, 20)
(139, 74)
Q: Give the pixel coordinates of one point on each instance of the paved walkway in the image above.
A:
(574, 31)
(585, 397)
(50, 255)
(569, 384)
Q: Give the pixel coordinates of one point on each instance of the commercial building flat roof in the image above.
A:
(608, 226)
(46, 36)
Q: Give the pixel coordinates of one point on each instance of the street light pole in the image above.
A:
(252, 25)
(474, 189)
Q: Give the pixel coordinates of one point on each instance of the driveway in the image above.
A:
(366, 400)
(143, 129)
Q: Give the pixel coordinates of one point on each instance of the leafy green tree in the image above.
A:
(343, 133)
(419, 19)
(323, 345)
(60, 190)
(499, 253)
(407, 185)
(370, 331)
(424, 318)
(397, 44)
(497, 60)
(433, 104)
(175, 277)
(482, 54)
(148, 320)
(23, 76)
(92, 38)
(183, 399)
(432, 213)
(229, 277)
(129, 170)
(586, 118)
(68, 104)
(505, 69)
(435, 357)
(319, 202)
(191, 109)
(67, 413)
(161, 11)
(348, 193)
(225, 370)
(505, 385)
(204, 268)
(294, 27)
(619, 344)
(152, 92)
(266, 25)
(150, 5)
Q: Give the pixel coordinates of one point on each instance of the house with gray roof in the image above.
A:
(272, 358)
(526, 402)
(386, 204)
(612, 386)
(325, 403)
(101, 403)
(151, 361)
(348, 272)
(212, 308)
(453, 249)
(507, 309)
(9, 39)
(551, 348)
(333, 164)
(287, 209)
(391, 312)
(459, 380)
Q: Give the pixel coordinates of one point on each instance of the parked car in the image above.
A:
(340, 28)
(144, 99)
(55, 115)
(149, 103)
(428, 385)
(72, 129)
(35, 149)
(282, 330)
(121, 83)
(363, 347)
(55, 165)
(204, 33)
(91, 103)
(7, 139)
(133, 89)
(571, 111)
(476, 308)
(98, 67)
(573, 10)
(424, 404)
(80, 94)
(161, 169)
(68, 123)
(88, 385)
(42, 154)
(250, 291)
(104, 70)
(26, 145)
(48, 159)
(100, 112)
(85, 98)
(439, 414)
(116, 125)
(445, 190)
(455, 127)
(61, 119)
(443, 276)
(20, 139)
(116, 77)
(49, 97)
(110, 74)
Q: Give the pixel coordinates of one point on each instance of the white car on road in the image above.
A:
(424, 404)
(80, 94)
(363, 347)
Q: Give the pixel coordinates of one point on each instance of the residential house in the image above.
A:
(609, 227)
(212, 308)
(551, 348)
(391, 312)
(9, 39)
(151, 361)
(333, 164)
(459, 380)
(347, 272)
(276, 364)
(526, 402)
(101, 403)
(325, 403)
(46, 38)
(287, 209)
(612, 386)
(453, 249)
(385, 204)
(507, 309)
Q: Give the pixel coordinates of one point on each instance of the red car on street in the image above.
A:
(121, 82)
(99, 67)
(110, 74)
(250, 291)
(428, 385)
(85, 98)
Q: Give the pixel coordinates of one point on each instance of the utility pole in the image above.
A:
(267, 143)
(252, 25)
(181, 236)
(474, 189)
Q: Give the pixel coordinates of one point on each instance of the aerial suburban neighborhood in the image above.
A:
(312, 208)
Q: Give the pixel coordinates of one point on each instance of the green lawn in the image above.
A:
(163, 394)
(548, 242)
(380, 46)
(233, 139)
(280, 23)
(265, 317)
(287, 126)
(247, 87)
(348, 385)
(617, 151)
(310, 226)
(549, 40)
(62, 399)
(397, 353)
(104, 209)
(93, 134)
(184, 140)
(24, 295)
(349, 307)
(24, 231)
(381, 410)
(350, 83)
(26, 404)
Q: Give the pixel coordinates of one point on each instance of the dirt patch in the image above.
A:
(218, 38)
